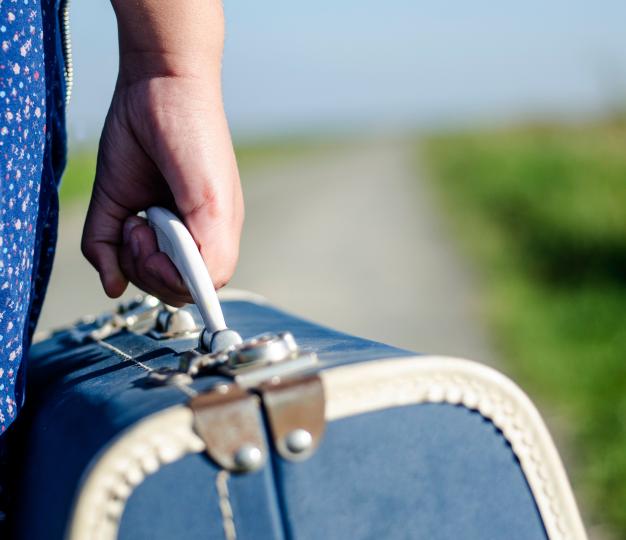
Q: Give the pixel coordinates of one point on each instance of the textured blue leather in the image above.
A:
(181, 501)
(427, 471)
(432, 471)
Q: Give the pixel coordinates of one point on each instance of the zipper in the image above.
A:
(66, 38)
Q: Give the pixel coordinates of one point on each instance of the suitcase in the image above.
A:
(131, 432)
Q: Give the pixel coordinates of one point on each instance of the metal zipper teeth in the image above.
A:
(68, 70)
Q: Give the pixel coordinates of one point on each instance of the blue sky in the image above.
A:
(298, 67)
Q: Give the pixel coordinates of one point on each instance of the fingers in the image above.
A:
(147, 267)
(100, 244)
(165, 143)
(135, 258)
(116, 242)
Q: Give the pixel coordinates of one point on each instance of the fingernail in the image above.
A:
(129, 225)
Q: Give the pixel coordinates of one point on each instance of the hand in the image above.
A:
(165, 142)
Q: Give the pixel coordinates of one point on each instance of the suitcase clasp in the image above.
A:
(271, 367)
(254, 361)
(138, 315)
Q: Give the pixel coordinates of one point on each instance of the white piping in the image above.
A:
(350, 390)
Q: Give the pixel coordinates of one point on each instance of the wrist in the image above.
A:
(135, 66)
(169, 39)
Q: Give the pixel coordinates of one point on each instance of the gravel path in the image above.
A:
(348, 237)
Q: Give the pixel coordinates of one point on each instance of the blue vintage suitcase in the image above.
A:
(130, 435)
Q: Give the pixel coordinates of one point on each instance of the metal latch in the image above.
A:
(228, 421)
(295, 410)
(144, 314)
(255, 360)
(138, 315)
(174, 322)
(270, 367)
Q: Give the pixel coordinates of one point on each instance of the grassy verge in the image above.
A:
(542, 211)
(78, 176)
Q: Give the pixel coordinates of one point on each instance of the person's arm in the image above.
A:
(165, 142)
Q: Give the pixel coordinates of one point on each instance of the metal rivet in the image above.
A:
(248, 458)
(151, 301)
(289, 341)
(222, 388)
(298, 441)
(180, 321)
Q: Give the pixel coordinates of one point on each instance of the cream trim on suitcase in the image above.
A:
(350, 390)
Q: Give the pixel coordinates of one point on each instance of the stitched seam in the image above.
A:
(226, 509)
(185, 389)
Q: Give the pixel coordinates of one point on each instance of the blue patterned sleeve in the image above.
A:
(32, 150)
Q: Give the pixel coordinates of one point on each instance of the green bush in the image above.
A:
(542, 210)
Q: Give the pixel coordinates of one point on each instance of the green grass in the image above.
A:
(542, 212)
(78, 176)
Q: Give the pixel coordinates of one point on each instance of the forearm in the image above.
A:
(170, 38)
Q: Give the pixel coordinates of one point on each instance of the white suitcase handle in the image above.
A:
(176, 241)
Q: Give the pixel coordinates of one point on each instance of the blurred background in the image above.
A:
(445, 177)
